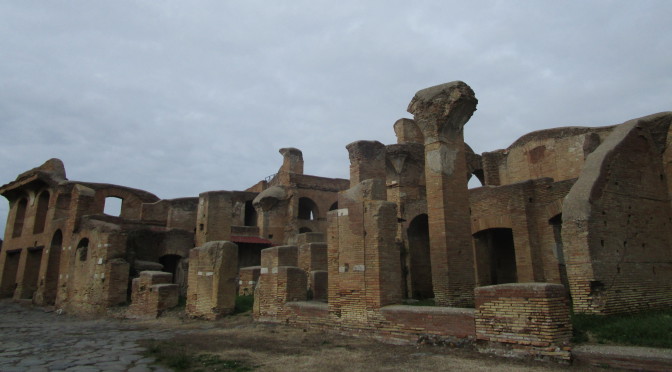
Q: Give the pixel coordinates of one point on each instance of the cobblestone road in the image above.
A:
(33, 340)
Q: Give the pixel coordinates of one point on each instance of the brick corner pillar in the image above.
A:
(441, 113)
(213, 219)
(212, 280)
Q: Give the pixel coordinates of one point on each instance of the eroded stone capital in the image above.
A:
(292, 160)
(442, 111)
(367, 160)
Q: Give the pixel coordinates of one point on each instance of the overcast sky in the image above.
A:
(177, 97)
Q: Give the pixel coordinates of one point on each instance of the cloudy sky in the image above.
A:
(178, 97)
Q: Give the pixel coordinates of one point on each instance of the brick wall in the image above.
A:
(247, 280)
(212, 280)
(617, 232)
(151, 294)
(525, 319)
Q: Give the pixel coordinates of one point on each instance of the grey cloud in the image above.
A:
(179, 98)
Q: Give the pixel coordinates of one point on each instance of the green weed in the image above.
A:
(653, 329)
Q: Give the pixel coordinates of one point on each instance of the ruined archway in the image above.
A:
(495, 256)
(307, 209)
(420, 265)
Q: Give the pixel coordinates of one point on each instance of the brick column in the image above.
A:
(212, 280)
(213, 221)
(367, 161)
(441, 112)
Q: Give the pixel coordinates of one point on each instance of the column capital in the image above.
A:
(442, 111)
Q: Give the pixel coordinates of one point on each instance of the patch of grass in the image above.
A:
(243, 304)
(176, 356)
(653, 329)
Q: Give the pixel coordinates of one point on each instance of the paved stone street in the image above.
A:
(34, 340)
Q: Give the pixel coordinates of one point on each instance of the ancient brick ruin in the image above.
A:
(571, 215)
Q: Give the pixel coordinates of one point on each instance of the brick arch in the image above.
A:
(490, 222)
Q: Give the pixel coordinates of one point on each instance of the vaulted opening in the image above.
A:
(307, 209)
(250, 214)
(420, 264)
(495, 256)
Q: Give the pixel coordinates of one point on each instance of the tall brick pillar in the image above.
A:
(213, 221)
(441, 112)
(362, 257)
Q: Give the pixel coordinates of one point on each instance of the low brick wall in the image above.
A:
(524, 319)
(152, 293)
(450, 325)
(401, 324)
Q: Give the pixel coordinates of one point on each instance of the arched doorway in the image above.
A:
(420, 264)
(307, 209)
(495, 256)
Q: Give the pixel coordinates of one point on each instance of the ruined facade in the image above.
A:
(568, 213)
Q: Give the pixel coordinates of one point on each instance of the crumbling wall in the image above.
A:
(555, 153)
(616, 227)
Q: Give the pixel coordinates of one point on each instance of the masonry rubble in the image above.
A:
(574, 213)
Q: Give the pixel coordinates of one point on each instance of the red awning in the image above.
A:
(251, 239)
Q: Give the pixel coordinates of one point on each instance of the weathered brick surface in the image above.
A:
(212, 280)
(247, 280)
(213, 219)
(441, 113)
(527, 318)
(151, 294)
(617, 230)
